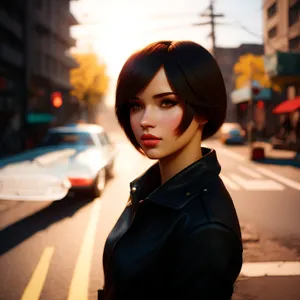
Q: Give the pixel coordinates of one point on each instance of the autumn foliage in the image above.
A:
(252, 66)
(89, 80)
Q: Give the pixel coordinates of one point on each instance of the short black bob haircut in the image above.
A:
(192, 73)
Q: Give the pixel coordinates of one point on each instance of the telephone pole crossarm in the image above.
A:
(209, 12)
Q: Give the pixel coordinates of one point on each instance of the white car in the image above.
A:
(77, 157)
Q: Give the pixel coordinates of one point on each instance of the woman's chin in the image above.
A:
(153, 153)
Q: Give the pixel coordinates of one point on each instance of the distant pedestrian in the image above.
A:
(179, 235)
(286, 127)
(297, 134)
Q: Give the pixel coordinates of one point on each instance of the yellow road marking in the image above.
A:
(36, 283)
(80, 281)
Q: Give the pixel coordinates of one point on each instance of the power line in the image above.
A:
(248, 30)
(208, 12)
(266, 41)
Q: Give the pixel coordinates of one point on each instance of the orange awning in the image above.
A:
(287, 106)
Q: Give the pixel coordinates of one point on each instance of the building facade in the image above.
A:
(282, 53)
(34, 62)
(227, 57)
(281, 19)
(12, 73)
(50, 61)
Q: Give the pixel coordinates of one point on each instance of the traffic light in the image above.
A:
(260, 104)
(56, 99)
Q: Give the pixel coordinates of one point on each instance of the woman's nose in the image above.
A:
(148, 119)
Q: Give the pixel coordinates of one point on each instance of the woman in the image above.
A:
(179, 235)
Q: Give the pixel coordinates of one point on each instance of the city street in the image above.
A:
(68, 67)
(54, 250)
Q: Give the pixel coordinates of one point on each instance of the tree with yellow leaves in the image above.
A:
(252, 66)
(89, 80)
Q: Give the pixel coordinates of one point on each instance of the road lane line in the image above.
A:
(81, 275)
(34, 288)
(256, 184)
(275, 268)
(229, 183)
(249, 172)
(289, 182)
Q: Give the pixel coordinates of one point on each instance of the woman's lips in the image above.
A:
(150, 140)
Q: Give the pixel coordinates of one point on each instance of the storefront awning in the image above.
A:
(36, 118)
(244, 94)
(287, 106)
(283, 64)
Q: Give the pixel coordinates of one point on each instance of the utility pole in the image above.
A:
(250, 111)
(256, 150)
(210, 12)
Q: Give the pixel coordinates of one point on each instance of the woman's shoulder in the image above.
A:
(213, 205)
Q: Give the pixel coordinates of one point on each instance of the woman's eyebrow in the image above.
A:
(163, 95)
(156, 96)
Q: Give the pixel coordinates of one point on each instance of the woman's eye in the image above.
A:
(135, 106)
(168, 103)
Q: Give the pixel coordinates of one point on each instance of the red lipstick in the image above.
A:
(150, 140)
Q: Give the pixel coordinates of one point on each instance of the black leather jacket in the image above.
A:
(179, 240)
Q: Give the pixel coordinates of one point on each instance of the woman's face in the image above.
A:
(155, 114)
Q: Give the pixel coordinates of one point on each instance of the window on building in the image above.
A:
(294, 44)
(272, 32)
(272, 10)
(294, 13)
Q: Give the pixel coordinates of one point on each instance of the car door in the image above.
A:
(109, 148)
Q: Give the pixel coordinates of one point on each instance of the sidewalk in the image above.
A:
(269, 151)
(275, 153)
(268, 288)
(258, 248)
(272, 156)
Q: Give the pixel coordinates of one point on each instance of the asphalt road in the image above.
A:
(265, 195)
(53, 251)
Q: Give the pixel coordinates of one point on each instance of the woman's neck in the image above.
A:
(176, 162)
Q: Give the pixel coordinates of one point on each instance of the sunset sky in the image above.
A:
(123, 26)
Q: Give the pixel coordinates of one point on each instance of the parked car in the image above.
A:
(232, 133)
(80, 157)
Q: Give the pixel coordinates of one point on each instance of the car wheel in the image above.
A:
(99, 183)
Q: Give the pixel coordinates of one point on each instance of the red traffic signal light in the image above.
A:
(56, 99)
(260, 104)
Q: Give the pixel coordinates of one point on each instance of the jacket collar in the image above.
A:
(182, 187)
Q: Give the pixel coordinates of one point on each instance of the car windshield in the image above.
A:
(68, 138)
